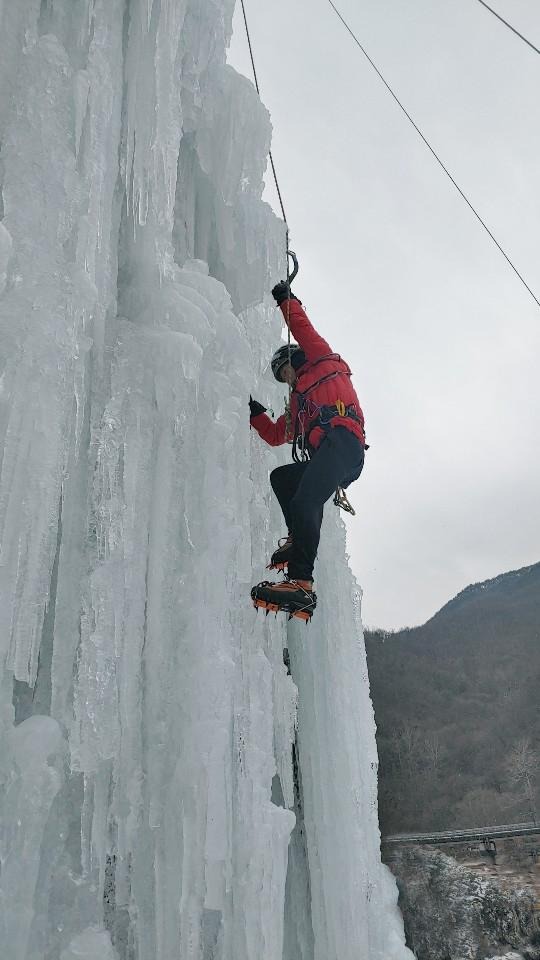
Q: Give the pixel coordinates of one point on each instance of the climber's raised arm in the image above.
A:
(311, 342)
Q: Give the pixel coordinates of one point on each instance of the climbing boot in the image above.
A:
(280, 557)
(295, 597)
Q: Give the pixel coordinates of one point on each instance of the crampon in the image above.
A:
(289, 597)
(280, 557)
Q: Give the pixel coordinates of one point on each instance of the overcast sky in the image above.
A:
(402, 280)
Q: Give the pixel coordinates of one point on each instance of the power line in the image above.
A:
(432, 151)
(509, 25)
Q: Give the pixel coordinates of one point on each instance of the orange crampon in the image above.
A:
(280, 557)
(273, 608)
(291, 597)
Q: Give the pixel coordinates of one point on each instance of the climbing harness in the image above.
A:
(308, 411)
(311, 415)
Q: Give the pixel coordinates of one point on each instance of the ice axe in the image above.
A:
(291, 276)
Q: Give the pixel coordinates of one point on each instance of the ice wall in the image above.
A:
(147, 719)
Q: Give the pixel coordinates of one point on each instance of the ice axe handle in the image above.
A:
(294, 259)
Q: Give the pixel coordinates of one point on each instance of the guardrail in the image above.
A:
(459, 836)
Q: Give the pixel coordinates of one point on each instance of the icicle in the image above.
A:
(132, 178)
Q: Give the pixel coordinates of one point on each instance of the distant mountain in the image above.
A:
(456, 706)
(514, 597)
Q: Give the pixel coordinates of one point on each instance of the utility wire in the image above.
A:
(259, 92)
(509, 25)
(432, 151)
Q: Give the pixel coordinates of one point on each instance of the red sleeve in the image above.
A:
(303, 331)
(272, 433)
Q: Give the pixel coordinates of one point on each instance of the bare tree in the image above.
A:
(406, 746)
(433, 750)
(522, 765)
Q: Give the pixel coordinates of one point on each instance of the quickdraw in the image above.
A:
(340, 500)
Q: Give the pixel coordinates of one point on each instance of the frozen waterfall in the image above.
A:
(150, 808)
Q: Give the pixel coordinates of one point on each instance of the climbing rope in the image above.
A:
(432, 151)
(259, 92)
(509, 25)
(272, 164)
(340, 499)
(288, 419)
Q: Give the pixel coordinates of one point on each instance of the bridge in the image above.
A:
(462, 836)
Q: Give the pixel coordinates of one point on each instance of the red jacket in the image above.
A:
(339, 387)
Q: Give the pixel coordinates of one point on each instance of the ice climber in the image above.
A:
(326, 427)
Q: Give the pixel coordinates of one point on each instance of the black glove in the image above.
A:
(282, 292)
(255, 408)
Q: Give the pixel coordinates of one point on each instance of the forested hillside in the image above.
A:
(456, 705)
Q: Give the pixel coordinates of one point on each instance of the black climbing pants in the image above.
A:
(302, 489)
